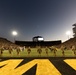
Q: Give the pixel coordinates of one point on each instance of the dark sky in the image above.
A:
(48, 18)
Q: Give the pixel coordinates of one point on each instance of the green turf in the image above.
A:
(34, 53)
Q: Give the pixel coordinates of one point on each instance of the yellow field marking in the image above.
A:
(9, 66)
(25, 67)
(44, 67)
(71, 62)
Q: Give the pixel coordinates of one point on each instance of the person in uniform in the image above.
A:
(18, 50)
(1, 50)
(29, 50)
(74, 49)
(39, 51)
(46, 49)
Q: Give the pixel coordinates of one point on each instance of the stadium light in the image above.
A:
(40, 39)
(68, 34)
(14, 33)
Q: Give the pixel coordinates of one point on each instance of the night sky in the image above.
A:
(48, 18)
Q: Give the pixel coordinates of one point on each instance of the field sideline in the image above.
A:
(34, 53)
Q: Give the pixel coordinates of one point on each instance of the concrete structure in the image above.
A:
(74, 30)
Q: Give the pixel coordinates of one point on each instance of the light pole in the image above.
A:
(68, 34)
(14, 33)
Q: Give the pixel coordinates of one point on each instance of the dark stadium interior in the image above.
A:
(34, 44)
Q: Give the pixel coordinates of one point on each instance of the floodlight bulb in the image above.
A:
(68, 33)
(14, 33)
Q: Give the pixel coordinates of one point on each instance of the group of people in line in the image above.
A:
(39, 50)
(10, 49)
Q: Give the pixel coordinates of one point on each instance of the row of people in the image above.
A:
(39, 50)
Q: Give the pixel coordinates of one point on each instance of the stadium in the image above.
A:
(38, 48)
(21, 59)
(38, 57)
(37, 37)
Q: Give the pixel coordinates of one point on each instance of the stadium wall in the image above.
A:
(34, 44)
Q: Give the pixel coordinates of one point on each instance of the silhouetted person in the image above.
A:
(23, 48)
(10, 50)
(74, 50)
(39, 51)
(1, 50)
(63, 48)
(63, 53)
(55, 52)
(53, 49)
(29, 50)
(18, 51)
(46, 49)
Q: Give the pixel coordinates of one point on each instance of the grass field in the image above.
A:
(34, 53)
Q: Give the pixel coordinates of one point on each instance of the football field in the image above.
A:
(33, 63)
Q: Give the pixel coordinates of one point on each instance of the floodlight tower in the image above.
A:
(74, 30)
(68, 34)
(14, 33)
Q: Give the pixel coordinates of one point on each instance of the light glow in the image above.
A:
(14, 33)
(40, 39)
(68, 33)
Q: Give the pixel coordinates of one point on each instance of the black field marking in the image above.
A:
(58, 62)
(1, 60)
(24, 62)
(31, 71)
(5, 58)
(2, 66)
(63, 68)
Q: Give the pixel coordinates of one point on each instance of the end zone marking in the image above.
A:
(10, 65)
(71, 62)
(44, 67)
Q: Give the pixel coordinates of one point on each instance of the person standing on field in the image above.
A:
(74, 49)
(29, 51)
(46, 49)
(63, 48)
(39, 51)
(53, 48)
(1, 50)
(18, 50)
(10, 50)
